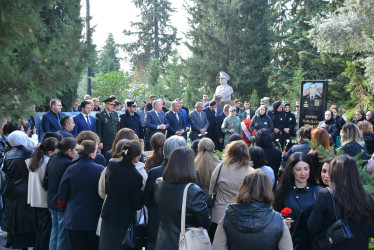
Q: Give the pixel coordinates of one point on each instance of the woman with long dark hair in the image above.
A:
(353, 205)
(36, 194)
(324, 173)
(251, 223)
(259, 161)
(178, 173)
(297, 190)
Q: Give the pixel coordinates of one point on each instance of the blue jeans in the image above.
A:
(58, 233)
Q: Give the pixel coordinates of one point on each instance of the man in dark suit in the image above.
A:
(181, 102)
(156, 172)
(67, 126)
(211, 116)
(131, 119)
(156, 122)
(96, 106)
(219, 121)
(107, 125)
(51, 120)
(217, 98)
(176, 121)
(149, 106)
(84, 121)
(198, 121)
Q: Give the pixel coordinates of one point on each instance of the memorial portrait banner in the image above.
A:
(313, 101)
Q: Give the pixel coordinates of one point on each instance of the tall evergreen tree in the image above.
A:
(108, 57)
(42, 54)
(155, 33)
(233, 36)
(295, 56)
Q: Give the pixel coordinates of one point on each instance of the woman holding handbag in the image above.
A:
(168, 195)
(297, 190)
(351, 203)
(226, 179)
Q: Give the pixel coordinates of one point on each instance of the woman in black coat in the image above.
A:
(123, 186)
(278, 118)
(297, 190)
(338, 119)
(289, 126)
(370, 116)
(261, 120)
(368, 135)
(18, 217)
(264, 139)
(353, 205)
(178, 173)
(330, 125)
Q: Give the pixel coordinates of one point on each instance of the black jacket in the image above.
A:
(301, 201)
(339, 123)
(322, 217)
(369, 142)
(258, 122)
(197, 213)
(56, 168)
(148, 199)
(252, 226)
(123, 186)
(211, 116)
(290, 122)
(133, 122)
(274, 159)
(353, 148)
(331, 128)
(18, 216)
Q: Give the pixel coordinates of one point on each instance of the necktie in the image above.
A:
(176, 114)
(88, 120)
(58, 119)
(159, 117)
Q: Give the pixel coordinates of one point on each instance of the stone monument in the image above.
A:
(224, 89)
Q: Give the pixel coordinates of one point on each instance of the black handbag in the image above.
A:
(212, 198)
(338, 232)
(136, 235)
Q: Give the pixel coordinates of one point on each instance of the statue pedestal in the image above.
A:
(223, 103)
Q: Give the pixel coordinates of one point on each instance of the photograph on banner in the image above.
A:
(313, 100)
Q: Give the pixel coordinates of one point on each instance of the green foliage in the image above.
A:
(42, 54)
(108, 57)
(254, 99)
(231, 36)
(155, 34)
(113, 83)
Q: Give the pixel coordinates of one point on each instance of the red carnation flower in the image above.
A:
(286, 211)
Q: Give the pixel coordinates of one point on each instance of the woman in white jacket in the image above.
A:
(36, 195)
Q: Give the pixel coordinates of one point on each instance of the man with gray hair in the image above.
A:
(199, 122)
(156, 122)
(175, 119)
(219, 121)
(153, 214)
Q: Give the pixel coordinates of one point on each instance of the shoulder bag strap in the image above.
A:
(333, 203)
(183, 214)
(215, 185)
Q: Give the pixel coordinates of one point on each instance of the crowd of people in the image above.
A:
(81, 182)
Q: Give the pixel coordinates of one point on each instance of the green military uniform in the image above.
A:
(107, 126)
(228, 124)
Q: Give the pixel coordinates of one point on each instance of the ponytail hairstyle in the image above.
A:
(86, 148)
(37, 158)
(130, 150)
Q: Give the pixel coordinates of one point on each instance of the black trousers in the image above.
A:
(82, 240)
(43, 230)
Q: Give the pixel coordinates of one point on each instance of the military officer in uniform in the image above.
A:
(131, 119)
(313, 98)
(107, 124)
